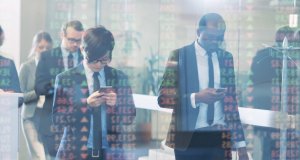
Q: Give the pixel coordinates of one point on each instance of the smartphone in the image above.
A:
(221, 89)
(105, 89)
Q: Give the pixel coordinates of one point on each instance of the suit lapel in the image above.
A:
(220, 55)
(59, 59)
(81, 81)
(111, 77)
(32, 67)
(188, 83)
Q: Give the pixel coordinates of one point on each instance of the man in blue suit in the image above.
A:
(199, 85)
(87, 110)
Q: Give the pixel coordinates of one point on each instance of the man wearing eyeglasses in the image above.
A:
(53, 62)
(91, 101)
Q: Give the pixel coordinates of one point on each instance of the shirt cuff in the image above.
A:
(193, 102)
(239, 144)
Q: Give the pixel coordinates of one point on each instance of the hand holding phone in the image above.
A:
(221, 90)
(105, 89)
(109, 95)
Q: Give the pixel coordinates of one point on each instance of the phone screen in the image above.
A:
(105, 89)
(221, 89)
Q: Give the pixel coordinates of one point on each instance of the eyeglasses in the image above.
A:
(73, 40)
(103, 60)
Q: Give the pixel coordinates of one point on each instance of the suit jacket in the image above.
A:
(72, 114)
(9, 80)
(180, 80)
(50, 64)
(27, 79)
(266, 75)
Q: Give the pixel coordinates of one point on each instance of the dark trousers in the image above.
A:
(207, 145)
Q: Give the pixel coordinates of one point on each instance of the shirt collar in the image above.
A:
(65, 53)
(89, 72)
(200, 51)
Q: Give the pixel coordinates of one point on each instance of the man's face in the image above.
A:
(210, 38)
(100, 63)
(1, 39)
(71, 39)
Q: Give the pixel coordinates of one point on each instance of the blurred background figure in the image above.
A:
(8, 75)
(297, 38)
(264, 70)
(59, 59)
(266, 78)
(31, 111)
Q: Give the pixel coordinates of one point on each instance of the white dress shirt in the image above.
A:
(90, 81)
(202, 68)
(65, 55)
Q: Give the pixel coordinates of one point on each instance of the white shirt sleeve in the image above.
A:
(239, 144)
(193, 101)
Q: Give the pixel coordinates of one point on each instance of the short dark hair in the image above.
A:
(297, 38)
(284, 31)
(97, 42)
(77, 25)
(297, 34)
(214, 18)
(1, 34)
(1, 30)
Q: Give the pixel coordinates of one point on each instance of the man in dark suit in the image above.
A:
(266, 81)
(266, 72)
(9, 81)
(199, 85)
(88, 114)
(51, 63)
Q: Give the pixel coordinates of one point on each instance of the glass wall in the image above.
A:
(147, 31)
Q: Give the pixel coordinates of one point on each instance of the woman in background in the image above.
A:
(31, 110)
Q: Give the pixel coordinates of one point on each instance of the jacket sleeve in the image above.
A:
(230, 101)
(28, 93)
(125, 104)
(43, 84)
(168, 92)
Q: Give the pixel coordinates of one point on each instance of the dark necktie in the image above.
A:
(70, 61)
(210, 110)
(97, 131)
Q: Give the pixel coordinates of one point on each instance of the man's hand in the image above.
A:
(242, 152)
(209, 95)
(110, 98)
(96, 99)
(9, 91)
